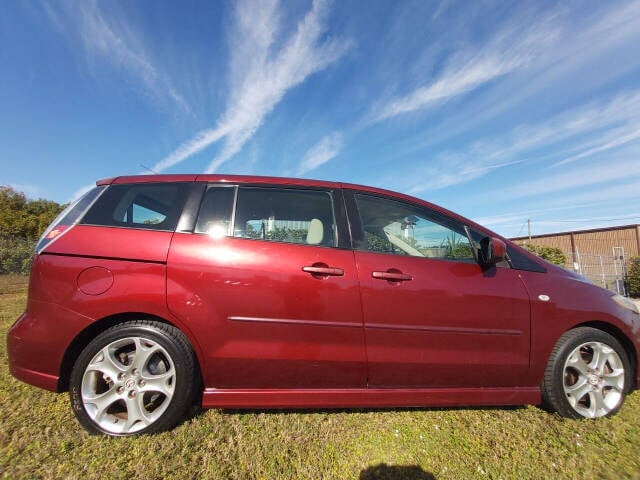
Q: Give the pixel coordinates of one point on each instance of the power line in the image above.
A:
(593, 220)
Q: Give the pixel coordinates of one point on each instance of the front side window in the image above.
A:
(402, 229)
(285, 215)
(154, 206)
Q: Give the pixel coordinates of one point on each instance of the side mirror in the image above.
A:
(492, 250)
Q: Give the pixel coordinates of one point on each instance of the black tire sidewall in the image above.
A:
(181, 355)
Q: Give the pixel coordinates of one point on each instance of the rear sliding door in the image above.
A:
(268, 283)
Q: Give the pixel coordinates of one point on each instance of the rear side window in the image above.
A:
(68, 217)
(153, 206)
(285, 215)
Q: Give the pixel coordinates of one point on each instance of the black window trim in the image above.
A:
(189, 216)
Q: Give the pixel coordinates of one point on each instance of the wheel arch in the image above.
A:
(82, 339)
(624, 340)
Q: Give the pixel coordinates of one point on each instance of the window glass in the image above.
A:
(68, 217)
(402, 229)
(285, 215)
(154, 206)
(214, 217)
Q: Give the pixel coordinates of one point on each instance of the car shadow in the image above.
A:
(383, 471)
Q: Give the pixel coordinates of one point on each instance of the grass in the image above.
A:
(39, 438)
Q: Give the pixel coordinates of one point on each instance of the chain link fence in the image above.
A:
(607, 271)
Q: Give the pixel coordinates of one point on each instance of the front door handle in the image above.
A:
(392, 275)
(322, 270)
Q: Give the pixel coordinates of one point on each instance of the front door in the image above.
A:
(433, 317)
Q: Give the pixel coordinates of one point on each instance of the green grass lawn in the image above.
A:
(39, 438)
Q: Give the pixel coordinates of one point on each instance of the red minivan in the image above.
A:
(151, 293)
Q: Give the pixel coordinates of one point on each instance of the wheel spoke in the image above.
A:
(105, 363)
(136, 412)
(576, 361)
(605, 354)
(615, 379)
(159, 383)
(577, 391)
(143, 354)
(597, 405)
(102, 402)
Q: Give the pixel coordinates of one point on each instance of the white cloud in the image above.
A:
(575, 134)
(510, 50)
(326, 149)
(199, 142)
(619, 139)
(576, 178)
(456, 81)
(262, 74)
(115, 42)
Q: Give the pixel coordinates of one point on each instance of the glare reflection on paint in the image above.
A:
(217, 231)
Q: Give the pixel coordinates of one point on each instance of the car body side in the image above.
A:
(66, 308)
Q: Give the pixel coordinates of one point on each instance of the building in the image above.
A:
(601, 254)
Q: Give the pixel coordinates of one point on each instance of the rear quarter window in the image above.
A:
(154, 206)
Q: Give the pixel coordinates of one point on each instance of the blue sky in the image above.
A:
(500, 111)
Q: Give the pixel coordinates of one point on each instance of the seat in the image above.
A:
(316, 232)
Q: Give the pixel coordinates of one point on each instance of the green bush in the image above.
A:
(22, 221)
(633, 277)
(16, 254)
(550, 254)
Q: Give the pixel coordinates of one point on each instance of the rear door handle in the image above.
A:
(392, 276)
(323, 270)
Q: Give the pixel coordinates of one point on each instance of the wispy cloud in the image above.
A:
(615, 139)
(581, 177)
(326, 149)
(262, 72)
(114, 41)
(575, 134)
(510, 50)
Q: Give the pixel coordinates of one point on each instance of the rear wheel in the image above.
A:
(136, 377)
(588, 375)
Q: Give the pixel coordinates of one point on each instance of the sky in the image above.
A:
(501, 111)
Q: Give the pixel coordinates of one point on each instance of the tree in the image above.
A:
(550, 254)
(633, 278)
(22, 221)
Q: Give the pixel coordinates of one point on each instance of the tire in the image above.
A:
(588, 375)
(134, 378)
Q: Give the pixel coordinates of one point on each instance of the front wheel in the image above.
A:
(136, 377)
(588, 375)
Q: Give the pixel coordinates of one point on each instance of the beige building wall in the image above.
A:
(591, 242)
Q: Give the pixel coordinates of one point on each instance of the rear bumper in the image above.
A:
(37, 341)
(31, 356)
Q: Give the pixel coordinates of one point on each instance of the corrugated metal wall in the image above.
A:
(592, 242)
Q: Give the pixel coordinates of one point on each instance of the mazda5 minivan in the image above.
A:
(154, 293)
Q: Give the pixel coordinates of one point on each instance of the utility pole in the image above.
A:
(529, 227)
